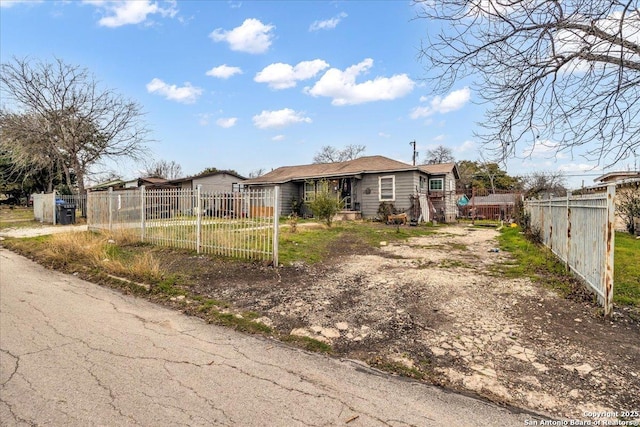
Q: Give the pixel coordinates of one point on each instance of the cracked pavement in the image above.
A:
(74, 353)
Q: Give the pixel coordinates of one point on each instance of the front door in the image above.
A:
(345, 193)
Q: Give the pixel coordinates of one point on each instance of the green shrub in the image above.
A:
(325, 205)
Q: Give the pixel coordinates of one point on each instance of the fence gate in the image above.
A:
(580, 231)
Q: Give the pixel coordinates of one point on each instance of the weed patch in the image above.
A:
(533, 261)
(307, 343)
(398, 368)
(239, 323)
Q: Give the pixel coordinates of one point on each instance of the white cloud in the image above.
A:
(186, 94)
(283, 76)
(342, 87)
(439, 138)
(384, 135)
(578, 167)
(544, 149)
(223, 71)
(227, 122)
(328, 24)
(452, 102)
(465, 147)
(10, 3)
(279, 118)
(278, 138)
(119, 13)
(572, 41)
(252, 36)
(203, 119)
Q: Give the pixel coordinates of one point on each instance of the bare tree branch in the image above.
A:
(69, 115)
(329, 154)
(440, 154)
(163, 169)
(560, 72)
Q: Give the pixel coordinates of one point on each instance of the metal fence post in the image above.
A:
(567, 264)
(610, 247)
(143, 211)
(276, 223)
(198, 218)
(110, 193)
(53, 199)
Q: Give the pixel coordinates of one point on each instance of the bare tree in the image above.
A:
(257, 173)
(329, 154)
(77, 120)
(561, 73)
(163, 169)
(440, 154)
(28, 148)
(537, 184)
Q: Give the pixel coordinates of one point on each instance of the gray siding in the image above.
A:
(220, 183)
(405, 186)
(447, 206)
(288, 191)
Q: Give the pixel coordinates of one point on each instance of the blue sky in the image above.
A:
(246, 85)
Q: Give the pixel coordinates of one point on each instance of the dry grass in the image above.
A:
(111, 252)
(145, 266)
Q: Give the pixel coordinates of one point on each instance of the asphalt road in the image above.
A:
(73, 353)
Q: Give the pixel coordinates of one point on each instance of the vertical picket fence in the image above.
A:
(241, 224)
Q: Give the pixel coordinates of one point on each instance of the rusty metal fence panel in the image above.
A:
(579, 229)
(239, 224)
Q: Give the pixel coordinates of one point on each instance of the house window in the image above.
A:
(436, 184)
(387, 188)
(309, 191)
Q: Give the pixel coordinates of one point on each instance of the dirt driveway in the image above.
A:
(431, 307)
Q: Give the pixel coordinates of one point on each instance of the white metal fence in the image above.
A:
(80, 201)
(239, 224)
(580, 231)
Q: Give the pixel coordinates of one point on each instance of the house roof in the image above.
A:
(440, 169)
(616, 176)
(153, 180)
(208, 174)
(107, 184)
(368, 164)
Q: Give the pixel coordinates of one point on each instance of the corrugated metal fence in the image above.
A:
(580, 231)
(239, 224)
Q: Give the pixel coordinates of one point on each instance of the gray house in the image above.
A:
(212, 182)
(364, 183)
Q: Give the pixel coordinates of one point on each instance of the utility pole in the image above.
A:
(415, 153)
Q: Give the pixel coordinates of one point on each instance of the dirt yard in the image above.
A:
(431, 308)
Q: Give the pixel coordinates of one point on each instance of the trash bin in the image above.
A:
(65, 213)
